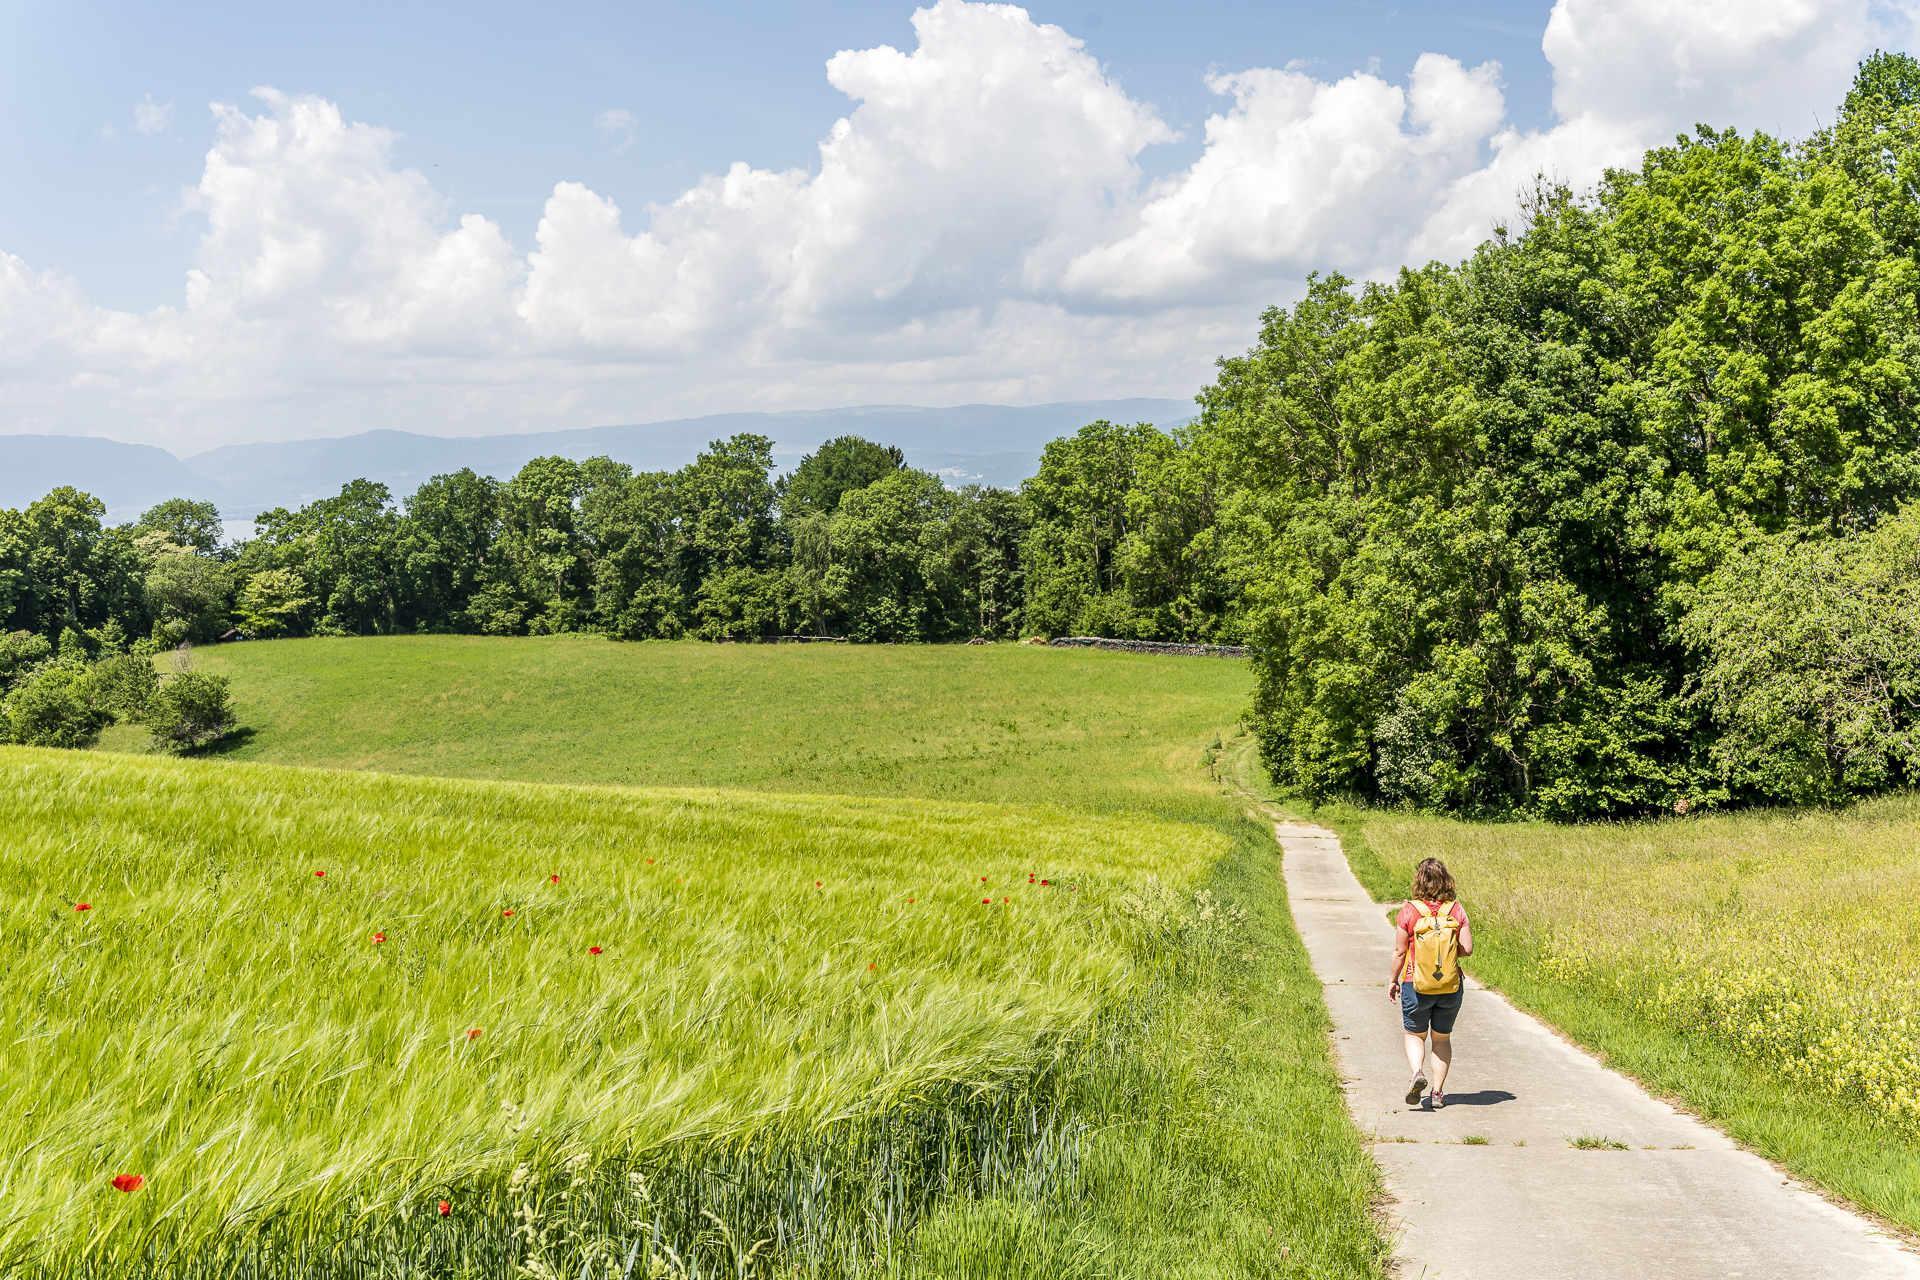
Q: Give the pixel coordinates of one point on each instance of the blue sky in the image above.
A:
(497, 102)
(228, 222)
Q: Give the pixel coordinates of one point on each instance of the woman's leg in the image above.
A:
(1442, 1059)
(1417, 1050)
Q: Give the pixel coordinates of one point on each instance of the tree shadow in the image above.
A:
(222, 746)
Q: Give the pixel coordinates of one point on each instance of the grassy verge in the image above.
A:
(1760, 967)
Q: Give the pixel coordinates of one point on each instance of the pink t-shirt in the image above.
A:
(1410, 916)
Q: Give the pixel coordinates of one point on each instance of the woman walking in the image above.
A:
(1430, 935)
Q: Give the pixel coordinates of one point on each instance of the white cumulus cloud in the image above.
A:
(977, 227)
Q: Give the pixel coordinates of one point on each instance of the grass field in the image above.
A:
(989, 723)
(1763, 966)
(1143, 1090)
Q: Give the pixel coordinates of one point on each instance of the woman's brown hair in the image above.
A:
(1432, 882)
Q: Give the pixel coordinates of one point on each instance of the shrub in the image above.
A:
(55, 708)
(189, 711)
(19, 652)
(125, 685)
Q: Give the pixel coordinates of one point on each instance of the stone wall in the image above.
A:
(1151, 646)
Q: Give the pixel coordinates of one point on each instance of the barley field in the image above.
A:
(272, 994)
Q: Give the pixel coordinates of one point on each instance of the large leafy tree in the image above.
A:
(446, 543)
(842, 465)
(186, 523)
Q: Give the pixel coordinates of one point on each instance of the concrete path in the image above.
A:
(1681, 1201)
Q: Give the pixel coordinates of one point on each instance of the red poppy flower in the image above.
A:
(593, 951)
(816, 884)
(1006, 899)
(474, 1034)
(912, 899)
(555, 879)
(1046, 882)
(320, 875)
(506, 913)
(445, 1208)
(83, 906)
(129, 1182)
(983, 879)
(379, 938)
(986, 902)
(649, 861)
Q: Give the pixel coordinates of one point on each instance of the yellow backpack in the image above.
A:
(1436, 950)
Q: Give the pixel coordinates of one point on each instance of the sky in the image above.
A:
(234, 222)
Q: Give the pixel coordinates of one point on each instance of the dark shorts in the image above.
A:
(1416, 1010)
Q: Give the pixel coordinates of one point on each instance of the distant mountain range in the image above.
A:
(975, 443)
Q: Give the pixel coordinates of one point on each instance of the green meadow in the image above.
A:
(1020, 998)
(989, 722)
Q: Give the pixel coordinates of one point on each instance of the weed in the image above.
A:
(1587, 1142)
(1473, 1140)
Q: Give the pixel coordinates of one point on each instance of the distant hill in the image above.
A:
(988, 444)
(129, 478)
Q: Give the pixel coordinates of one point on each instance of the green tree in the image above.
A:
(843, 464)
(540, 572)
(272, 603)
(1810, 661)
(895, 569)
(187, 593)
(124, 685)
(726, 553)
(1474, 500)
(634, 527)
(446, 544)
(812, 537)
(185, 523)
(62, 568)
(20, 653)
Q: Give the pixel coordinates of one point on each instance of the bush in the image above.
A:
(189, 711)
(125, 685)
(20, 652)
(55, 708)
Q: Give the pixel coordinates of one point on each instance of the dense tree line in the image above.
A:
(852, 542)
(1608, 518)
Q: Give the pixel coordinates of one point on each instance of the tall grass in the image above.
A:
(222, 1021)
(1764, 964)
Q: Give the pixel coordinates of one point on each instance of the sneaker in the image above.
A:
(1415, 1089)
(1437, 1099)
